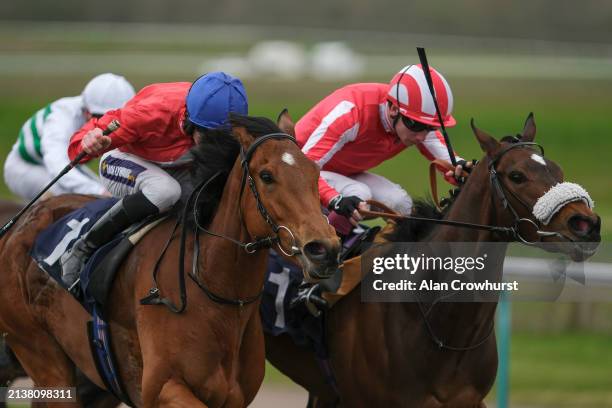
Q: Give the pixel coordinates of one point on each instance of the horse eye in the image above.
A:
(517, 177)
(266, 177)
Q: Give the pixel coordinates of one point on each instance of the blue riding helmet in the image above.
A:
(213, 96)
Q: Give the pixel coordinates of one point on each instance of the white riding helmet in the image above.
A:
(409, 91)
(106, 92)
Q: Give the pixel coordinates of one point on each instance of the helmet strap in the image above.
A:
(395, 119)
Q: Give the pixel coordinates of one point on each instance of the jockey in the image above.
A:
(40, 151)
(146, 159)
(360, 126)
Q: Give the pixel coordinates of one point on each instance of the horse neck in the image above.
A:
(459, 324)
(225, 266)
(474, 204)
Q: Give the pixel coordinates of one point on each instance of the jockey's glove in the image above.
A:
(463, 164)
(344, 205)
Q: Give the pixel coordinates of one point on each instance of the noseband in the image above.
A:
(246, 176)
(266, 242)
(502, 193)
(154, 297)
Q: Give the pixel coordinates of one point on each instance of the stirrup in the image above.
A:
(310, 296)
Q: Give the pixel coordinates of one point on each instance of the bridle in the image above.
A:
(266, 242)
(502, 193)
(154, 296)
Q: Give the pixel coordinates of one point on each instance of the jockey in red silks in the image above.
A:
(146, 160)
(360, 126)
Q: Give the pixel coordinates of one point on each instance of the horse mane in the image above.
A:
(216, 153)
(414, 231)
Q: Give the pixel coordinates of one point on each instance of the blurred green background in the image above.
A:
(561, 354)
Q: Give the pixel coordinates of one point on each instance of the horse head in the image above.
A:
(285, 123)
(285, 198)
(532, 196)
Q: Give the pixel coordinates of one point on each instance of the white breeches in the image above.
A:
(26, 179)
(371, 186)
(124, 174)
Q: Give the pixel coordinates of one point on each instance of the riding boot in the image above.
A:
(125, 212)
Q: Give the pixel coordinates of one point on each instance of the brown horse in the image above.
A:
(212, 354)
(445, 355)
(10, 369)
(8, 209)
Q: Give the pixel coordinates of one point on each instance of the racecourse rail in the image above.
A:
(537, 269)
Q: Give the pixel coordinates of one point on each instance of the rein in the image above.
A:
(500, 191)
(154, 296)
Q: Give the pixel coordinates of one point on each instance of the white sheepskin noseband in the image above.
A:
(555, 198)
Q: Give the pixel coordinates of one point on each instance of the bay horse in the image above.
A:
(8, 208)
(9, 369)
(211, 354)
(439, 354)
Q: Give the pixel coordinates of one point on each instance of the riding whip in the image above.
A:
(425, 66)
(114, 125)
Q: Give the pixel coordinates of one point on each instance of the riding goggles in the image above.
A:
(415, 126)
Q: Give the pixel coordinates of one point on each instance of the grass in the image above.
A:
(548, 370)
(571, 117)
(561, 370)
(572, 120)
(556, 370)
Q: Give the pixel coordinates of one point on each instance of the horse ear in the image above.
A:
(487, 142)
(529, 131)
(243, 136)
(285, 123)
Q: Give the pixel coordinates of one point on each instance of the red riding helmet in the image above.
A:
(409, 91)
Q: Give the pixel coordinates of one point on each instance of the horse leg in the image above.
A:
(177, 395)
(93, 396)
(47, 364)
(10, 369)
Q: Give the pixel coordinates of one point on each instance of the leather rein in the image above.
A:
(154, 297)
(497, 187)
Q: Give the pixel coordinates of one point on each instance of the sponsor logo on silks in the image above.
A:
(121, 171)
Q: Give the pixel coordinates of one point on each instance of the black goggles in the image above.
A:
(415, 126)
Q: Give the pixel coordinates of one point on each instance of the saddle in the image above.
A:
(99, 272)
(96, 278)
(350, 268)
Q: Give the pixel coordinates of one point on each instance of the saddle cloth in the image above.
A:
(280, 287)
(282, 283)
(97, 276)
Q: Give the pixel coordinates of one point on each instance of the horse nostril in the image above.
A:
(597, 226)
(315, 250)
(581, 225)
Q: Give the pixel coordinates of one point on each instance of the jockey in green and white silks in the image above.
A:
(40, 151)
